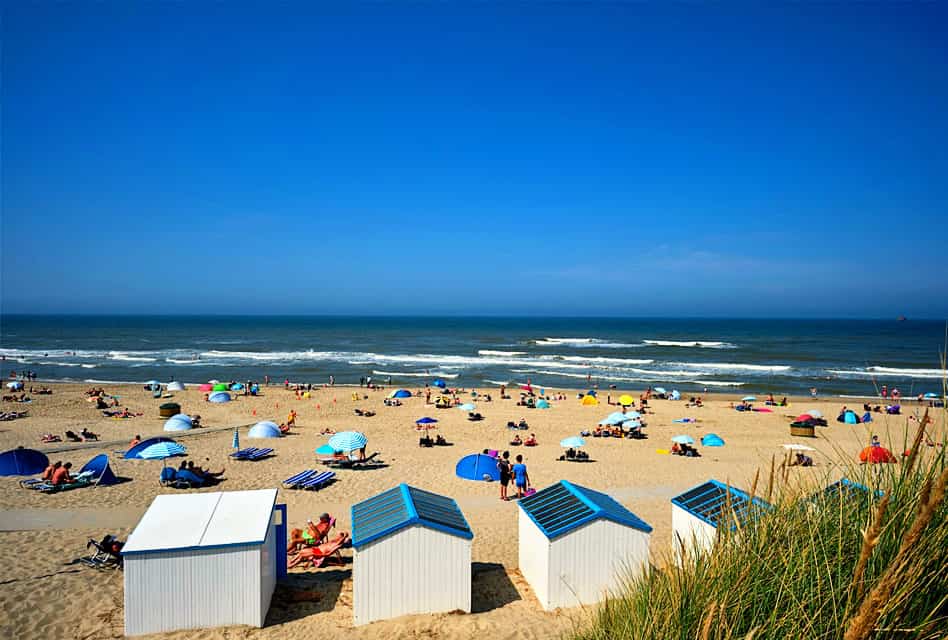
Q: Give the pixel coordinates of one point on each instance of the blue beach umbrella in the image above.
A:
(617, 417)
(400, 393)
(683, 440)
(749, 399)
(632, 415)
(466, 407)
(425, 420)
(325, 450)
(162, 450)
(573, 441)
(440, 383)
(659, 390)
(236, 443)
(632, 424)
(348, 441)
(931, 395)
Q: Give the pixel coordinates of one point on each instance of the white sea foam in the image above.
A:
(188, 361)
(618, 378)
(889, 372)
(728, 366)
(705, 344)
(415, 374)
(130, 356)
(498, 382)
(583, 343)
(495, 352)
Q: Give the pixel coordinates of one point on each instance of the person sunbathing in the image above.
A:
(88, 435)
(317, 532)
(318, 553)
(522, 424)
(50, 470)
(61, 475)
(516, 442)
(72, 437)
(531, 441)
(802, 461)
(297, 541)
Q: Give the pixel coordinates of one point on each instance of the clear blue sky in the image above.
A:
(591, 159)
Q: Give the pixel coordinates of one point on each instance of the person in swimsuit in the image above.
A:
(521, 479)
(503, 464)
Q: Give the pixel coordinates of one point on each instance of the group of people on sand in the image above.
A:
(57, 473)
(313, 543)
(516, 472)
(529, 442)
(206, 475)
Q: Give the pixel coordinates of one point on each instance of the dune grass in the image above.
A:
(833, 566)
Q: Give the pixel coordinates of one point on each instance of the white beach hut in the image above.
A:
(204, 560)
(577, 545)
(699, 513)
(412, 555)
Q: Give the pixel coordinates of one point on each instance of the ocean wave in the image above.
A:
(498, 382)
(60, 364)
(131, 356)
(495, 352)
(583, 343)
(182, 361)
(646, 379)
(704, 344)
(415, 374)
(728, 366)
(889, 372)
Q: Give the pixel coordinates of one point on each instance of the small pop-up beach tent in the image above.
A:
(22, 462)
(102, 473)
(477, 466)
(264, 429)
(179, 422)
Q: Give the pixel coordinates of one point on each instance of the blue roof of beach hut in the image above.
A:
(404, 506)
(565, 506)
(709, 502)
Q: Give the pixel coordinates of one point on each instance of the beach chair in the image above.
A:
(317, 556)
(348, 463)
(107, 554)
(180, 479)
(252, 453)
(318, 481)
(293, 482)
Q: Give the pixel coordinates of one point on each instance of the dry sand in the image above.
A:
(46, 594)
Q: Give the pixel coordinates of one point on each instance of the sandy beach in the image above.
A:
(47, 593)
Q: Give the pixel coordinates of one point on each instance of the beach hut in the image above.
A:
(204, 560)
(578, 545)
(845, 489)
(420, 543)
(700, 512)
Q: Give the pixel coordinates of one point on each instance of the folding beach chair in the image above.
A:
(252, 453)
(107, 553)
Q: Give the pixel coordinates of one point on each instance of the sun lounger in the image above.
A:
(318, 481)
(181, 479)
(252, 453)
(104, 557)
(348, 463)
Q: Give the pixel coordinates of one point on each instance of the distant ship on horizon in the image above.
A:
(901, 319)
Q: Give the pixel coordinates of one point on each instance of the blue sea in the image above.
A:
(838, 357)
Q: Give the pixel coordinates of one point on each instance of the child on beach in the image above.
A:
(521, 478)
(503, 465)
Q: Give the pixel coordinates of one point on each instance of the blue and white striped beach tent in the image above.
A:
(699, 512)
(421, 542)
(577, 544)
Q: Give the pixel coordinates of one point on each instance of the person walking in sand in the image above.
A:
(291, 419)
(521, 478)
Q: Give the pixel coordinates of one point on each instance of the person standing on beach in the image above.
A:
(332, 380)
(521, 478)
(503, 465)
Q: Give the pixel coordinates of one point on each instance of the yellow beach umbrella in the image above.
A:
(626, 400)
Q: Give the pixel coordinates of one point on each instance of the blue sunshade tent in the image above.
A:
(615, 418)
(591, 392)
(931, 395)
(264, 429)
(572, 441)
(219, 396)
(325, 450)
(477, 466)
(179, 422)
(712, 440)
(101, 471)
(683, 440)
(675, 395)
(440, 383)
(400, 393)
(632, 415)
(16, 385)
(348, 441)
(659, 390)
(425, 420)
(162, 450)
(467, 406)
(749, 399)
(22, 462)
(543, 404)
(135, 451)
(632, 424)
